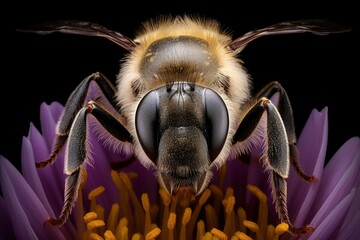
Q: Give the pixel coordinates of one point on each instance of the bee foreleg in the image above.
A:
(275, 157)
(279, 190)
(78, 150)
(72, 184)
(284, 107)
(75, 102)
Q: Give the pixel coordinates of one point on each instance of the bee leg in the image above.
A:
(77, 151)
(275, 157)
(74, 103)
(285, 110)
(279, 190)
(72, 184)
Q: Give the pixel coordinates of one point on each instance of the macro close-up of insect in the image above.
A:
(181, 105)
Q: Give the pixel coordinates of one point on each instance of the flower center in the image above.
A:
(209, 216)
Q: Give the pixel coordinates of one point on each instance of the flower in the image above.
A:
(129, 203)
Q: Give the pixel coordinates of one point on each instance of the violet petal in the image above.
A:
(355, 205)
(52, 176)
(6, 229)
(48, 122)
(329, 224)
(339, 176)
(351, 230)
(27, 211)
(30, 173)
(312, 150)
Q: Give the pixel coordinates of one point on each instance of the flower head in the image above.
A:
(130, 205)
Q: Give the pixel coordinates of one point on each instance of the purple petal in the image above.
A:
(351, 230)
(355, 205)
(339, 177)
(312, 149)
(30, 174)
(6, 229)
(326, 226)
(52, 177)
(27, 211)
(49, 115)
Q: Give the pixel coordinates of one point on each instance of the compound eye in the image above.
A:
(217, 121)
(146, 124)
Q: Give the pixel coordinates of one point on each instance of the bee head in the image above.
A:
(182, 128)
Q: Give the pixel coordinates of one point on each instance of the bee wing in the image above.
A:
(315, 26)
(83, 28)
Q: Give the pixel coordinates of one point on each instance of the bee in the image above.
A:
(181, 105)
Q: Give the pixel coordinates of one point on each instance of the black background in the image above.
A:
(316, 71)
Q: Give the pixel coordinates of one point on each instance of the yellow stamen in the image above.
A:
(139, 213)
(219, 234)
(90, 216)
(171, 225)
(124, 233)
(242, 236)
(146, 205)
(251, 225)
(200, 229)
(145, 202)
(230, 204)
(185, 220)
(139, 219)
(187, 215)
(230, 227)
(96, 192)
(123, 223)
(203, 198)
(166, 200)
(94, 236)
(99, 211)
(113, 217)
(116, 179)
(171, 221)
(136, 236)
(207, 236)
(229, 192)
(124, 203)
(153, 234)
(109, 235)
(92, 196)
(270, 232)
(211, 218)
(95, 224)
(132, 175)
(242, 217)
(263, 210)
(280, 229)
(218, 196)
